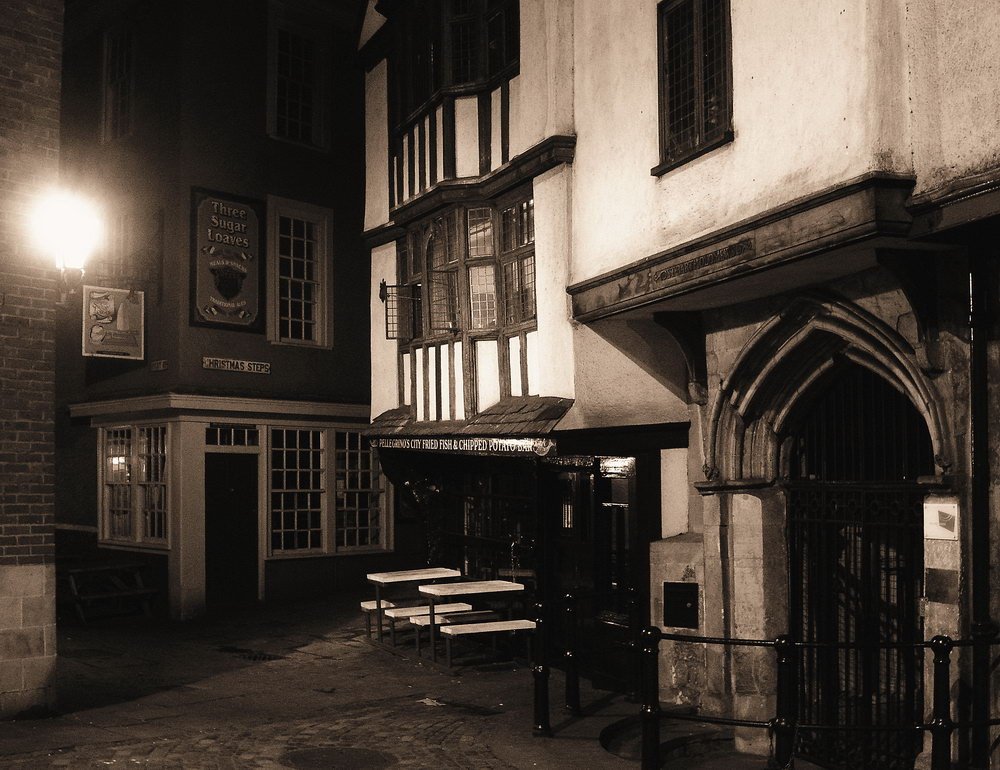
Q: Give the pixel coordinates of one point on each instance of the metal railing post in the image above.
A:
(783, 725)
(941, 725)
(635, 646)
(540, 672)
(569, 656)
(650, 713)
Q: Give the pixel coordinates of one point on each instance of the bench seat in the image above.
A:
(449, 632)
(455, 617)
(490, 627)
(396, 613)
(403, 614)
(423, 621)
(370, 606)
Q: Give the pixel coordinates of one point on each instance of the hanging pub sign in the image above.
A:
(113, 323)
(227, 261)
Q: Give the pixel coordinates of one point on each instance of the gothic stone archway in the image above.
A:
(798, 412)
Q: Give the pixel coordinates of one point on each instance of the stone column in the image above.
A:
(759, 607)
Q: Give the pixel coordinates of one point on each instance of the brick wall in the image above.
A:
(30, 58)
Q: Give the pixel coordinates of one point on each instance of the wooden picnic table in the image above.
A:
(381, 579)
(454, 590)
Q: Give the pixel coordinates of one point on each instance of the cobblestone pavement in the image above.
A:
(296, 686)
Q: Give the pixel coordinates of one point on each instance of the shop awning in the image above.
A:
(514, 426)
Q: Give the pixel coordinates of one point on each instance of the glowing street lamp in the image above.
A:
(69, 229)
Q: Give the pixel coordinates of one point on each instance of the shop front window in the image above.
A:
(134, 485)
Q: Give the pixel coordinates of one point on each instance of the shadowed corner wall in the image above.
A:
(30, 61)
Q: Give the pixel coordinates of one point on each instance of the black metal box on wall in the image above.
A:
(680, 605)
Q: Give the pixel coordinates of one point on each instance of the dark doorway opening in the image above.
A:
(598, 552)
(855, 537)
(231, 540)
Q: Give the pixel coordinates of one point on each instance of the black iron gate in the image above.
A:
(857, 562)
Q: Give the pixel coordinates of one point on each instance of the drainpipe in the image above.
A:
(983, 628)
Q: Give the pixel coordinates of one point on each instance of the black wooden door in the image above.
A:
(231, 541)
(596, 548)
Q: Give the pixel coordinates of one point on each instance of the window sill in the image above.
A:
(125, 545)
(317, 554)
(321, 148)
(670, 165)
(361, 550)
(302, 344)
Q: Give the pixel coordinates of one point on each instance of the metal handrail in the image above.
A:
(785, 722)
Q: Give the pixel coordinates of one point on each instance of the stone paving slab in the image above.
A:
(288, 687)
(293, 686)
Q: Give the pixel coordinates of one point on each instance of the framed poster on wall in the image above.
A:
(114, 323)
(227, 261)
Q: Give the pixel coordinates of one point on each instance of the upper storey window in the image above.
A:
(443, 44)
(118, 81)
(694, 78)
(473, 269)
(296, 85)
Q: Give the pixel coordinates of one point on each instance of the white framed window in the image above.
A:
(360, 503)
(133, 480)
(299, 282)
(326, 493)
(117, 76)
(297, 489)
(297, 82)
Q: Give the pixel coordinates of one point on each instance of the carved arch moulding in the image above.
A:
(779, 365)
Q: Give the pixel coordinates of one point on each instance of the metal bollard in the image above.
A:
(650, 713)
(941, 725)
(783, 724)
(540, 672)
(569, 656)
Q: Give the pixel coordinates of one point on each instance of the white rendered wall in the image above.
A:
(550, 349)
(954, 70)
(487, 374)
(818, 92)
(384, 357)
(467, 136)
(541, 97)
(376, 144)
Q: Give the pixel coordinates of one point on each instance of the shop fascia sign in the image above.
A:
(480, 445)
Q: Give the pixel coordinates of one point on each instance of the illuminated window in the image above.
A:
(483, 296)
(134, 484)
(517, 259)
(475, 268)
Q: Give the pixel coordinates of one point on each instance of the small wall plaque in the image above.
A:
(941, 518)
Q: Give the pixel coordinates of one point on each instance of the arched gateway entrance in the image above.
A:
(827, 403)
(855, 548)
